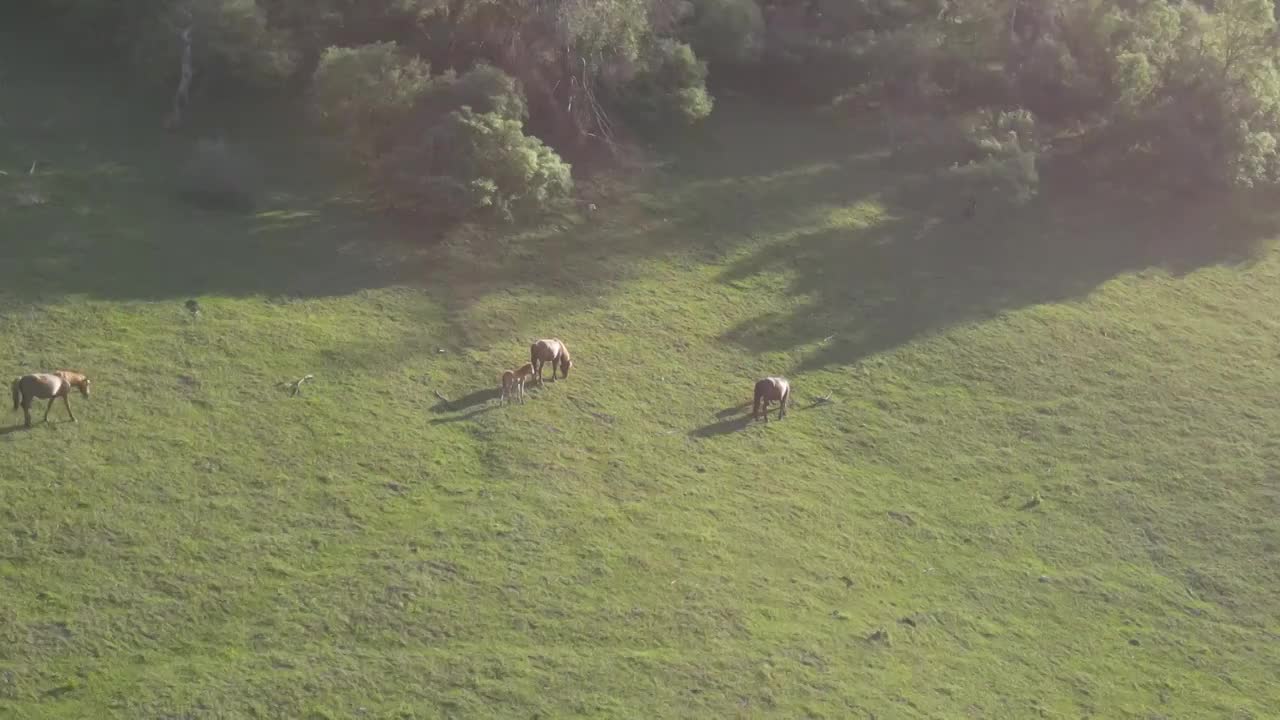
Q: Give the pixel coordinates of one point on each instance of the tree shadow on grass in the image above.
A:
(153, 248)
(873, 286)
(89, 202)
(875, 243)
(112, 228)
(717, 195)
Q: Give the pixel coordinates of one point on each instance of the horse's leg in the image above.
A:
(49, 407)
(26, 411)
(67, 402)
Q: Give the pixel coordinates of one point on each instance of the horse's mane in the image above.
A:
(72, 377)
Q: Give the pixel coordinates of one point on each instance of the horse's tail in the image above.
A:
(17, 393)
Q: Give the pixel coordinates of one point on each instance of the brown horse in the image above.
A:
(550, 351)
(771, 389)
(50, 386)
(513, 381)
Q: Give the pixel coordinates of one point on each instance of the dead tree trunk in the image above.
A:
(182, 95)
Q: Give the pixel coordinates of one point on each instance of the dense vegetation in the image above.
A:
(1180, 94)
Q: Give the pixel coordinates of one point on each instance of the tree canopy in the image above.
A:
(1186, 93)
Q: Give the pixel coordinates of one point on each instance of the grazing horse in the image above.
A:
(768, 390)
(50, 386)
(513, 381)
(552, 351)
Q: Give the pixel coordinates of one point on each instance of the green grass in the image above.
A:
(624, 545)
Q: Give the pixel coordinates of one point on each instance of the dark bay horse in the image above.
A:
(47, 386)
(550, 351)
(771, 389)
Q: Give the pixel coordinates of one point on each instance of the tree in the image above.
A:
(448, 144)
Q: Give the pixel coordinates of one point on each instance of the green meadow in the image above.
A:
(1031, 469)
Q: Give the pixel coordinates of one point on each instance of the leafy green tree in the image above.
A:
(369, 93)
(670, 87)
(1196, 94)
(1005, 150)
(450, 144)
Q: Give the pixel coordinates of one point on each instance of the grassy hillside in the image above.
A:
(1045, 485)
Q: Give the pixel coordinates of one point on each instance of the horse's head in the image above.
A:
(565, 364)
(76, 380)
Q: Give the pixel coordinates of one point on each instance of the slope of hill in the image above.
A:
(1045, 482)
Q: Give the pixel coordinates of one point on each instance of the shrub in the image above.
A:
(728, 31)
(484, 89)
(497, 167)
(234, 42)
(671, 86)
(368, 94)
(474, 164)
(452, 145)
(103, 25)
(805, 70)
(1004, 150)
(1206, 105)
(219, 176)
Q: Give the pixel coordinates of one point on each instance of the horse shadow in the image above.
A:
(13, 429)
(465, 416)
(731, 422)
(479, 397)
(731, 411)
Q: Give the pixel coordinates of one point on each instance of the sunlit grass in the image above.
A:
(1044, 483)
